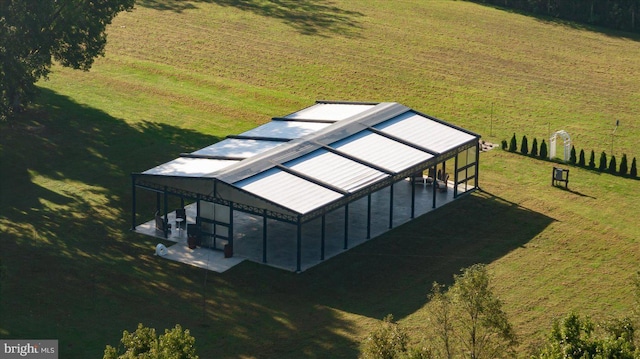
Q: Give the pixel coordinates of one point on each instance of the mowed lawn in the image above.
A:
(181, 75)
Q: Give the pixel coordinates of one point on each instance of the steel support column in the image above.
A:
(346, 226)
(299, 246)
(434, 188)
(230, 226)
(322, 238)
(198, 210)
(413, 198)
(391, 206)
(477, 165)
(369, 216)
(264, 237)
(455, 176)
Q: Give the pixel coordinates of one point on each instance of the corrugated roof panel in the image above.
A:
(336, 170)
(288, 190)
(262, 176)
(330, 111)
(381, 151)
(189, 167)
(233, 147)
(285, 129)
(424, 132)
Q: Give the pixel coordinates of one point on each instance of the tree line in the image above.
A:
(611, 166)
(616, 14)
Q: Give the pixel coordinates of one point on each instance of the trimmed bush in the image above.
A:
(613, 165)
(603, 162)
(581, 161)
(534, 148)
(524, 148)
(592, 160)
(543, 150)
(623, 165)
(513, 146)
(634, 171)
(572, 156)
(504, 145)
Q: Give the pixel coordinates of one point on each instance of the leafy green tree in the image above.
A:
(503, 145)
(592, 160)
(613, 166)
(543, 150)
(443, 321)
(465, 321)
(534, 148)
(468, 319)
(33, 33)
(569, 338)
(524, 147)
(603, 162)
(572, 155)
(633, 172)
(575, 337)
(486, 331)
(624, 167)
(143, 343)
(581, 160)
(389, 341)
(513, 144)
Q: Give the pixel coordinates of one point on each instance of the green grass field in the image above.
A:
(180, 75)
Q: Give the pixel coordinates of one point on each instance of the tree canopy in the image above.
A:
(576, 337)
(35, 33)
(144, 343)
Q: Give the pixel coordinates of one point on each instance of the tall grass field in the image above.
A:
(181, 75)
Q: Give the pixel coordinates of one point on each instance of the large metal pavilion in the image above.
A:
(299, 168)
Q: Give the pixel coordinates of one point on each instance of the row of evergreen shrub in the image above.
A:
(612, 166)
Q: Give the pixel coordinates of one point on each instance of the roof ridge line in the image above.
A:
(306, 144)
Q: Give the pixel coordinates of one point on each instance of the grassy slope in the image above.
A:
(180, 75)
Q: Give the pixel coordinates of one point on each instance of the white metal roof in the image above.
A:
(189, 167)
(335, 170)
(425, 132)
(319, 155)
(285, 129)
(381, 151)
(288, 190)
(330, 111)
(232, 147)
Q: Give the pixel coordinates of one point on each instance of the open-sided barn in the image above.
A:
(281, 193)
